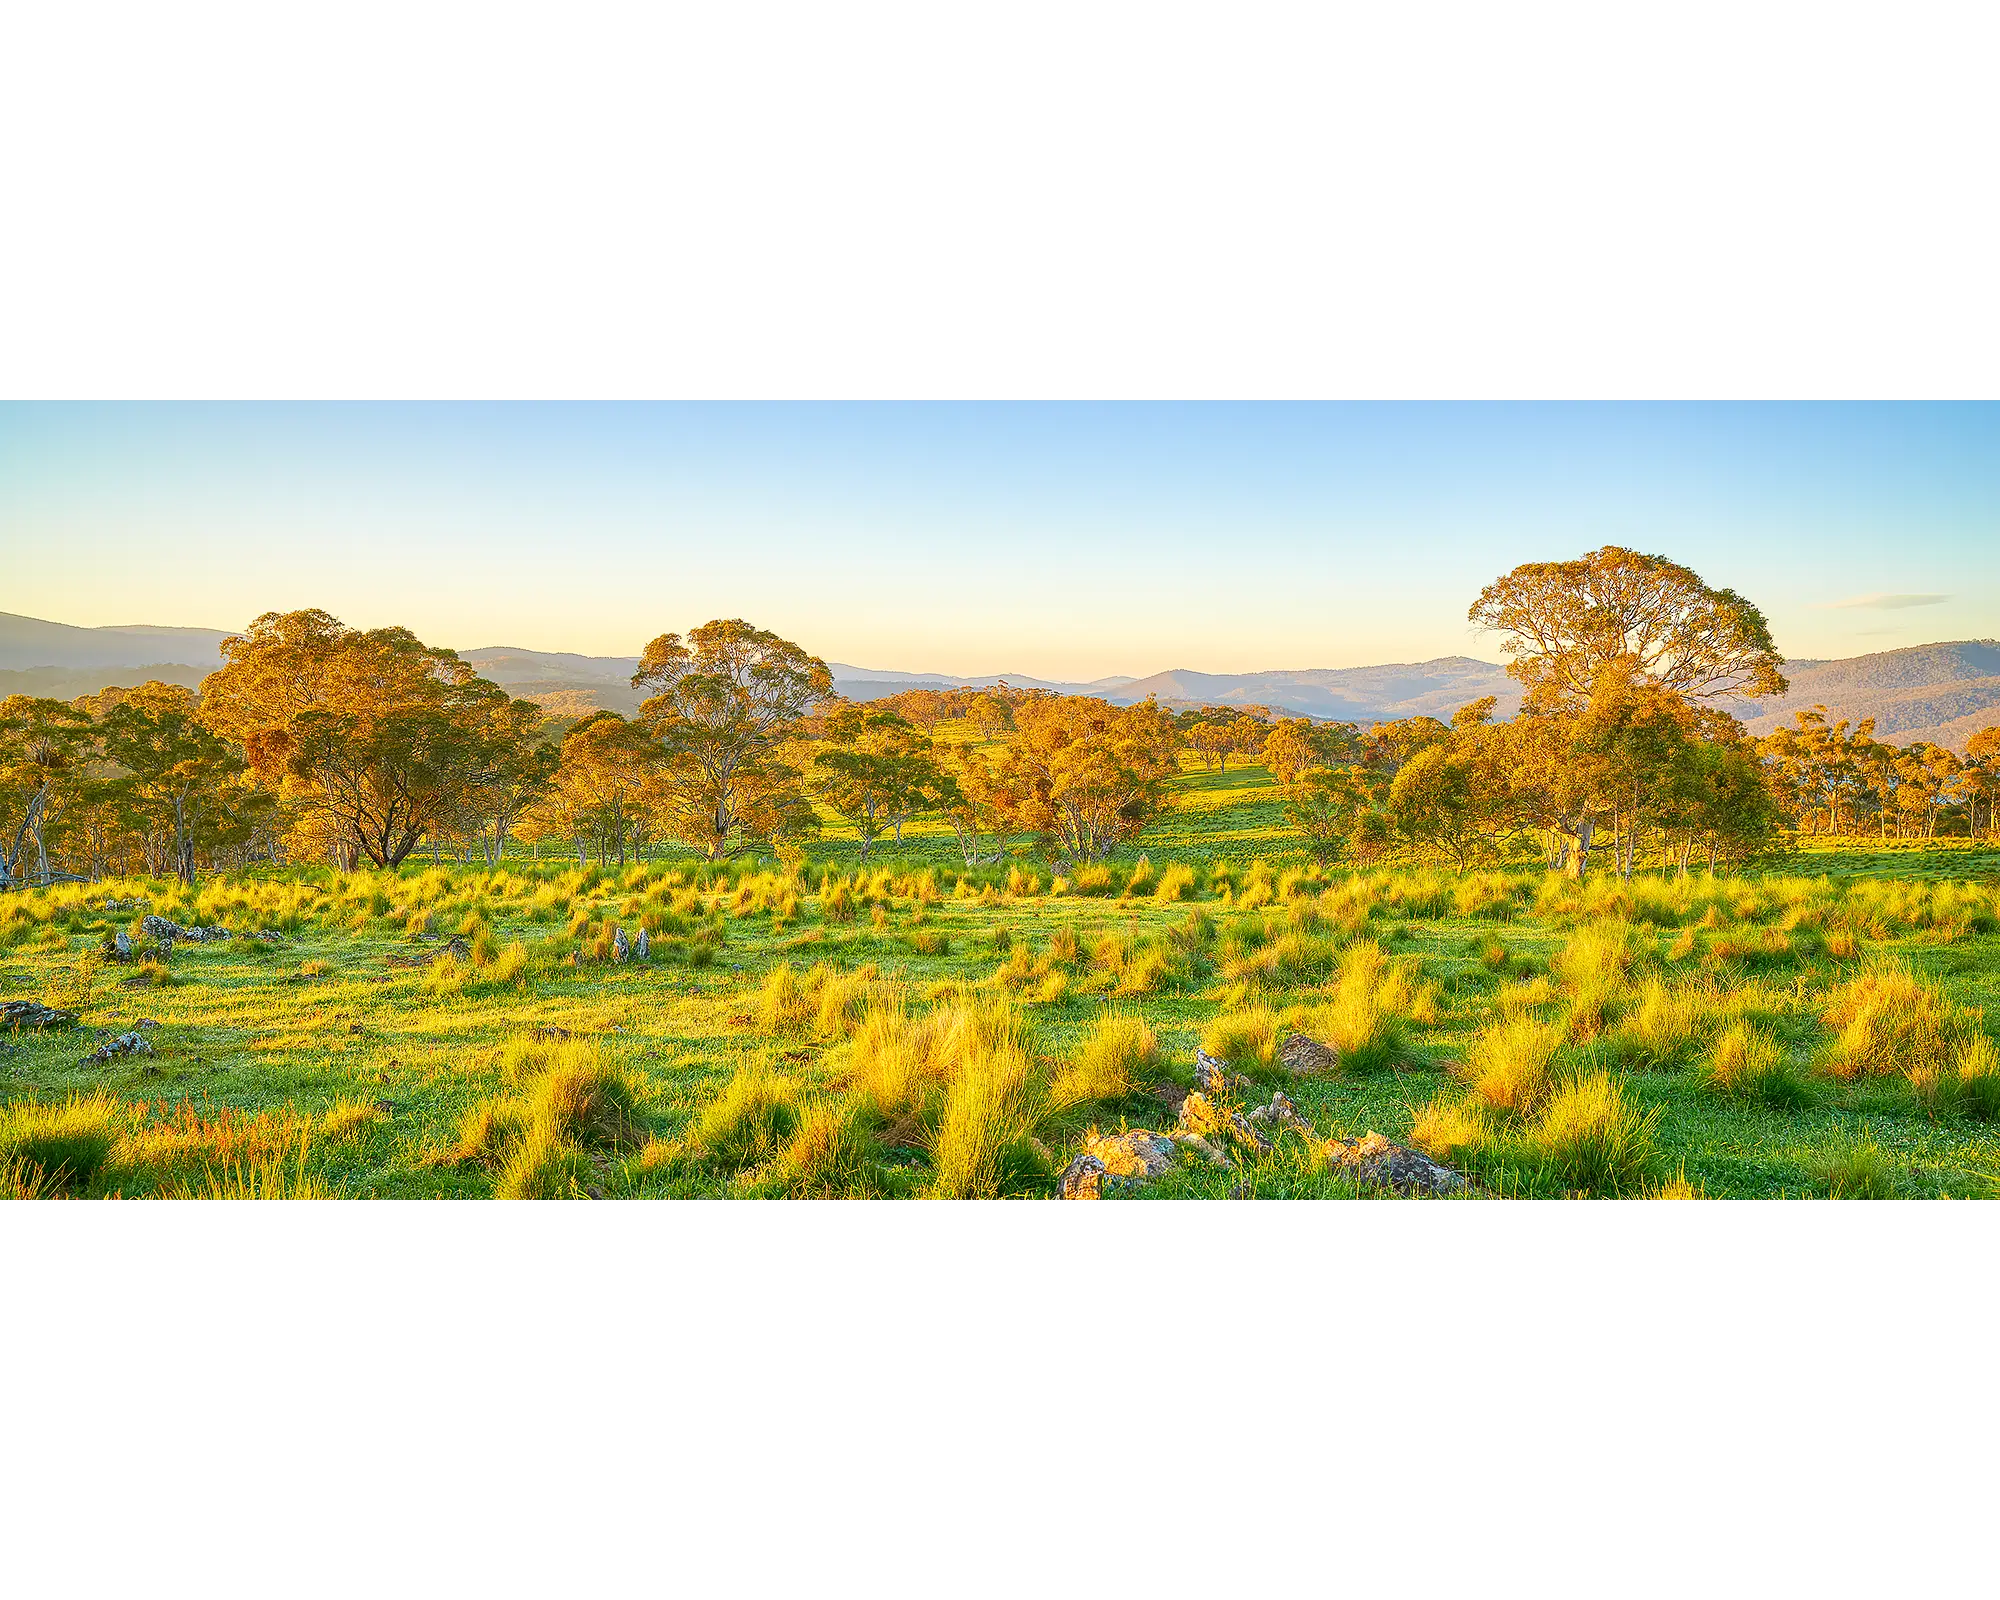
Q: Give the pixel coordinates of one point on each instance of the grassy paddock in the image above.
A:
(907, 1028)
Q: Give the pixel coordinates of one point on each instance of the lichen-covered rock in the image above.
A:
(1200, 1118)
(126, 1044)
(33, 1015)
(1211, 1077)
(1137, 1153)
(621, 947)
(1278, 1115)
(1302, 1057)
(121, 946)
(642, 947)
(1378, 1163)
(1083, 1178)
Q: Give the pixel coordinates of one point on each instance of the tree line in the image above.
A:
(319, 742)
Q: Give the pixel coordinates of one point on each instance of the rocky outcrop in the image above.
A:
(126, 1044)
(167, 932)
(33, 1015)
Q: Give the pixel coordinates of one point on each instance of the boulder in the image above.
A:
(621, 947)
(1378, 1163)
(33, 1015)
(551, 1034)
(1082, 1177)
(121, 946)
(642, 947)
(126, 1044)
(1303, 1057)
(1136, 1154)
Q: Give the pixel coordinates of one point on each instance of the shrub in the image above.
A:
(1120, 1052)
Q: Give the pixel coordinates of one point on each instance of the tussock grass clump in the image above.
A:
(1095, 879)
(1748, 1063)
(829, 1157)
(1589, 1139)
(584, 1098)
(982, 1145)
(1119, 1055)
(348, 1118)
(1855, 1168)
(544, 1166)
(1511, 1065)
(1663, 1027)
(1141, 879)
(1887, 1021)
(1450, 1130)
(750, 1121)
(1247, 1038)
(1175, 883)
(60, 1146)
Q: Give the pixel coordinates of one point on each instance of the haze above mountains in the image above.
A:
(1942, 693)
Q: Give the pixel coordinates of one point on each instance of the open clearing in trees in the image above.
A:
(917, 1028)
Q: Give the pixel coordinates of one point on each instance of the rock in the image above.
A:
(1082, 1177)
(121, 946)
(1202, 1147)
(552, 1034)
(159, 928)
(1199, 1117)
(1378, 1163)
(1302, 1056)
(643, 946)
(1136, 1154)
(33, 1015)
(146, 1022)
(126, 1044)
(1241, 1130)
(1280, 1114)
(1211, 1077)
(268, 935)
(354, 1027)
(621, 947)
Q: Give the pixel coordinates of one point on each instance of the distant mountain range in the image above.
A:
(1943, 693)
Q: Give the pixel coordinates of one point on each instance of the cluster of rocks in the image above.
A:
(33, 1015)
(1211, 1125)
(165, 932)
(125, 1044)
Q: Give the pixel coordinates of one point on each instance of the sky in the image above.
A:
(1063, 541)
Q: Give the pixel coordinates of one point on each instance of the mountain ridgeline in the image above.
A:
(1939, 693)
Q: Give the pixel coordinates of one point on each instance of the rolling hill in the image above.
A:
(1940, 693)
(1943, 693)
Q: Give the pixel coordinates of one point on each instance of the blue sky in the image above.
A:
(1061, 540)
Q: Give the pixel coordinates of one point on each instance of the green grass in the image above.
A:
(1755, 1035)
